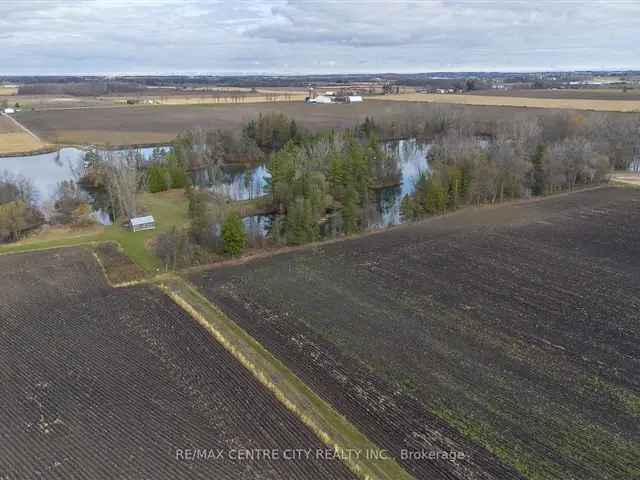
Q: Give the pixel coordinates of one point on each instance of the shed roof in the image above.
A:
(142, 220)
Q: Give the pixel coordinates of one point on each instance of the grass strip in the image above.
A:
(331, 427)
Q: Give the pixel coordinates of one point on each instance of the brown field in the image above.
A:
(161, 124)
(8, 90)
(262, 97)
(505, 100)
(105, 383)
(157, 96)
(15, 140)
(512, 327)
(578, 94)
(629, 178)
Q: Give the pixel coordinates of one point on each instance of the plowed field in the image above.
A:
(514, 328)
(104, 383)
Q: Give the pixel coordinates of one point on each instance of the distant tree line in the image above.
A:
(614, 135)
(81, 89)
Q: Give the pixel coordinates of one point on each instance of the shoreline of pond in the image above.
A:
(53, 148)
(56, 147)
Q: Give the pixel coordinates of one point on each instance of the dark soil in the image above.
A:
(103, 383)
(512, 328)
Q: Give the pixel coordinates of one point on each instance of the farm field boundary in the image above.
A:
(125, 383)
(159, 124)
(22, 127)
(543, 293)
(161, 206)
(314, 412)
(626, 178)
(527, 102)
(15, 138)
(466, 215)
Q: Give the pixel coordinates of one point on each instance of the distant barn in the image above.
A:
(320, 99)
(142, 223)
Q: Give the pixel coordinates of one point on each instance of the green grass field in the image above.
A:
(169, 210)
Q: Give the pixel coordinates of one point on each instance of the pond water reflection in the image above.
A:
(234, 182)
(47, 170)
(384, 208)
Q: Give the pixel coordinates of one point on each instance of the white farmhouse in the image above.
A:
(321, 99)
(324, 99)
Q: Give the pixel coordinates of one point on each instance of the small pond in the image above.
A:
(237, 182)
(47, 170)
(384, 209)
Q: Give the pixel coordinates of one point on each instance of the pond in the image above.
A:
(47, 170)
(236, 182)
(384, 209)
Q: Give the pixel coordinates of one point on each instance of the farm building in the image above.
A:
(142, 223)
(354, 99)
(9, 110)
(320, 99)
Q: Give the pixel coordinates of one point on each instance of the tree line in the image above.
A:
(323, 182)
(18, 211)
(522, 159)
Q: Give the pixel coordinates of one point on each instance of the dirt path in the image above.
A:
(628, 178)
(25, 129)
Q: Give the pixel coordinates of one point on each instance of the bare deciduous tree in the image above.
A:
(122, 180)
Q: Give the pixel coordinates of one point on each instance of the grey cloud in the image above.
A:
(300, 36)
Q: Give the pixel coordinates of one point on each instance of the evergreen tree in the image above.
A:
(454, 177)
(158, 179)
(408, 209)
(233, 235)
(301, 227)
(200, 227)
(350, 212)
(537, 187)
(436, 196)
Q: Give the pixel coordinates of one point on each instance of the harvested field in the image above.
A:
(45, 102)
(161, 124)
(225, 98)
(583, 94)
(629, 178)
(156, 96)
(103, 383)
(4, 91)
(15, 140)
(527, 102)
(515, 327)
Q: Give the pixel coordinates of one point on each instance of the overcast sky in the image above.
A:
(310, 36)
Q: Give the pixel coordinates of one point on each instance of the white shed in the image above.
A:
(354, 98)
(9, 110)
(142, 223)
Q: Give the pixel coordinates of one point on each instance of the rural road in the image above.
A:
(19, 125)
(630, 178)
